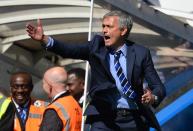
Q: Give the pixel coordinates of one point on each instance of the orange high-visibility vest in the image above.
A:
(34, 117)
(69, 112)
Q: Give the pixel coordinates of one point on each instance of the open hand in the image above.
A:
(35, 32)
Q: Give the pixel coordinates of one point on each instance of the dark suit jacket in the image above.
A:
(51, 121)
(7, 120)
(139, 65)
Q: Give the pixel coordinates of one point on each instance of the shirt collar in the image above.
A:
(58, 95)
(17, 106)
(81, 99)
(123, 50)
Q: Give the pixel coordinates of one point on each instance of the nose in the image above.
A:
(67, 87)
(20, 89)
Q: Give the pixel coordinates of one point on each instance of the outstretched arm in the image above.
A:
(66, 50)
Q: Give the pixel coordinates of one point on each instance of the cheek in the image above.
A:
(12, 91)
(27, 92)
(46, 90)
(72, 88)
(44, 87)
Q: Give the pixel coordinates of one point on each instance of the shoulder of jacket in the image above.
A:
(141, 49)
(98, 38)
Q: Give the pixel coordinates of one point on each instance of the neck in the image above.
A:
(118, 45)
(115, 49)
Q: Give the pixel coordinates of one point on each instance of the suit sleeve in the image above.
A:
(51, 121)
(153, 79)
(71, 50)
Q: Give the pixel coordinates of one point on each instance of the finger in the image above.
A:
(30, 27)
(30, 32)
(148, 99)
(147, 102)
(39, 23)
(143, 101)
(145, 95)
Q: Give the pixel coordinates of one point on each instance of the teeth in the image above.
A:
(19, 96)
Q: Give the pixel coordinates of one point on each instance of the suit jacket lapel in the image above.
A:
(104, 61)
(130, 61)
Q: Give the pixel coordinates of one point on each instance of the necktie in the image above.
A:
(126, 86)
(23, 114)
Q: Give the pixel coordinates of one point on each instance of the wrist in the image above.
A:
(44, 39)
(155, 99)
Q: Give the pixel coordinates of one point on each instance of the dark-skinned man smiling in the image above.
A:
(25, 113)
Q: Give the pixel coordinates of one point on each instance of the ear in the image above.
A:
(82, 83)
(50, 92)
(123, 31)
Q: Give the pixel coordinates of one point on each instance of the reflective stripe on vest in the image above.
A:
(64, 113)
(4, 103)
(31, 115)
(35, 116)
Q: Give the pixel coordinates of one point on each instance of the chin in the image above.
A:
(107, 44)
(21, 103)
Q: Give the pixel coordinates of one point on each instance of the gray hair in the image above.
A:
(124, 20)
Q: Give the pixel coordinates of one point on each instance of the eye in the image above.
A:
(69, 84)
(23, 86)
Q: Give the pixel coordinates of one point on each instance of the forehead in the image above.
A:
(72, 76)
(20, 78)
(110, 19)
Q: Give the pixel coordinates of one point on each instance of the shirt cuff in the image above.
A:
(50, 42)
(155, 99)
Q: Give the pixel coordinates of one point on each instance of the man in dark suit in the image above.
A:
(118, 68)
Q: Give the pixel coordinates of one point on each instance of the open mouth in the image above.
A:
(19, 97)
(106, 37)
